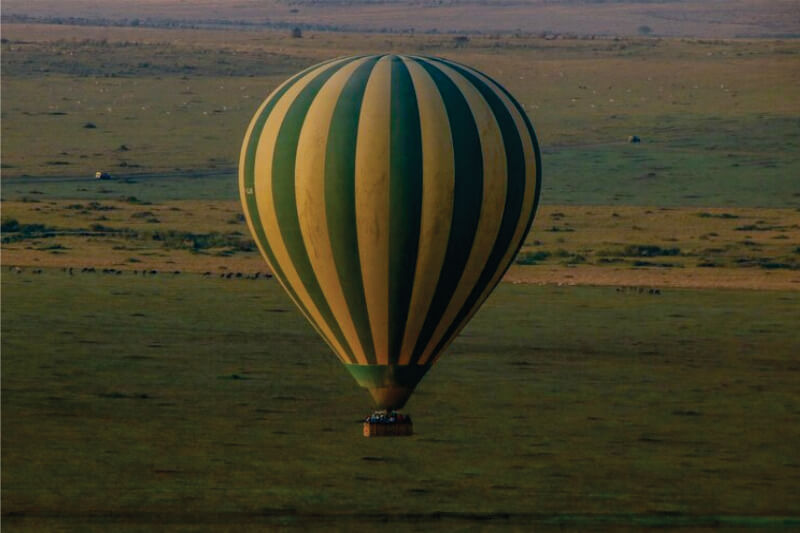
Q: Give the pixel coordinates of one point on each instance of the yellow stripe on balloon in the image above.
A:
(525, 211)
(438, 177)
(266, 206)
(310, 195)
(495, 181)
(372, 201)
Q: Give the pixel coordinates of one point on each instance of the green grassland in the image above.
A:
(718, 119)
(602, 245)
(202, 401)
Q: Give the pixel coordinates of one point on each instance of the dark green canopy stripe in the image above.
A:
(340, 156)
(283, 183)
(468, 196)
(405, 194)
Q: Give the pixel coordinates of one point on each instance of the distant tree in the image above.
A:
(645, 30)
(297, 33)
(461, 40)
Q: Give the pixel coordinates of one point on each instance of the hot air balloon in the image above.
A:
(389, 194)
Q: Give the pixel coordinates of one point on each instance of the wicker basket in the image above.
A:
(396, 429)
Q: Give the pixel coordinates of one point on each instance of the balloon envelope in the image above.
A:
(389, 194)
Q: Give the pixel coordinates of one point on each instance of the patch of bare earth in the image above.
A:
(694, 278)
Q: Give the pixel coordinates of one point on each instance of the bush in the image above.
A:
(23, 231)
(640, 250)
(202, 241)
(531, 258)
(10, 224)
(652, 264)
(646, 250)
(556, 229)
(575, 259)
(721, 215)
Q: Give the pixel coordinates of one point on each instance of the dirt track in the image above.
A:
(698, 278)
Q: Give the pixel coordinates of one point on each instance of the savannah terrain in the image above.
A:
(638, 368)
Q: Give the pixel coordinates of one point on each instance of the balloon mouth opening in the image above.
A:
(390, 398)
(389, 385)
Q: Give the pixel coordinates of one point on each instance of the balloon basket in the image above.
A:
(388, 425)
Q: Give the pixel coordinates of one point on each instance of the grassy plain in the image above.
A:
(597, 245)
(186, 402)
(717, 119)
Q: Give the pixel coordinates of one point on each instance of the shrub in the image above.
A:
(531, 258)
(721, 215)
(652, 264)
(556, 229)
(756, 227)
(639, 250)
(647, 250)
(575, 259)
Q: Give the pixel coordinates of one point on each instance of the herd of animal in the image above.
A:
(242, 275)
(144, 272)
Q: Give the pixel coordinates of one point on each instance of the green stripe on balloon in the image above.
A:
(340, 156)
(467, 200)
(515, 175)
(283, 177)
(405, 201)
